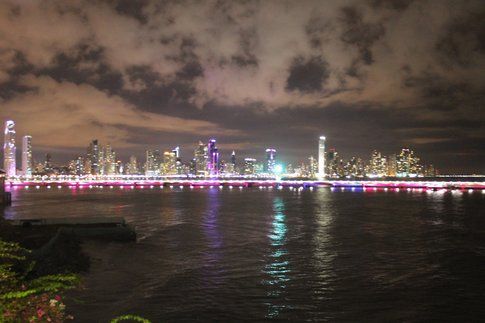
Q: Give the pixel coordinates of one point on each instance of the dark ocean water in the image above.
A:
(260, 254)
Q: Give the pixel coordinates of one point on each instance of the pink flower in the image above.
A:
(57, 298)
(40, 312)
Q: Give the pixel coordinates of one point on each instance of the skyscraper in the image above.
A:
(321, 157)
(233, 159)
(108, 164)
(270, 161)
(9, 163)
(132, 167)
(200, 159)
(27, 156)
(377, 165)
(93, 157)
(408, 164)
(169, 166)
(152, 166)
(213, 162)
(249, 166)
(176, 151)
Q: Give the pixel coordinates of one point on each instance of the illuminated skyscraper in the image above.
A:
(270, 161)
(408, 164)
(79, 166)
(313, 169)
(169, 166)
(152, 165)
(27, 156)
(132, 167)
(213, 161)
(392, 165)
(176, 151)
(200, 159)
(321, 157)
(377, 165)
(249, 166)
(107, 161)
(9, 163)
(93, 157)
(233, 159)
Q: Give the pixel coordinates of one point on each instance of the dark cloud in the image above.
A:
(307, 75)
(359, 33)
(463, 39)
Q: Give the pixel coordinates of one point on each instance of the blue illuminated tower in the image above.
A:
(270, 161)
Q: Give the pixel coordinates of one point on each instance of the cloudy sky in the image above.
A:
(368, 74)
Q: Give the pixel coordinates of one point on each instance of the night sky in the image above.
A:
(254, 74)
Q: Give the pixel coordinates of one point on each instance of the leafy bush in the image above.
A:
(25, 299)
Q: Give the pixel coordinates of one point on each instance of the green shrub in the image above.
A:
(24, 299)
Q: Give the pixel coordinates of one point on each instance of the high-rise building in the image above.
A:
(392, 165)
(233, 159)
(27, 165)
(321, 157)
(176, 151)
(132, 167)
(200, 159)
(270, 161)
(313, 169)
(152, 165)
(354, 168)
(79, 166)
(213, 161)
(334, 164)
(169, 166)
(9, 161)
(377, 165)
(249, 166)
(48, 166)
(107, 161)
(93, 157)
(408, 164)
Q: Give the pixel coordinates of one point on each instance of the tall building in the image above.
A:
(152, 165)
(377, 165)
(408, 164)
(270, 161)
(213, 161)
(93, 157)
(176, 151)
(48, 166)
(392, 165)
(107, 161)
(354, 168)
(321, 157)
(27, 165)
(200, 159)
(169, 166)
(249, 166)
(132, 167)
(79, 166)
(313, 170)
(9, 162)
(334, 164)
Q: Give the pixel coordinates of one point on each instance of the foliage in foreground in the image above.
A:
(130, 318)
(26, 299)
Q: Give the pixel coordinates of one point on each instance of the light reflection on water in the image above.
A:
(278, 268)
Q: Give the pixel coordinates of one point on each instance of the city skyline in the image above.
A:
(139, 74)
(101, 160)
